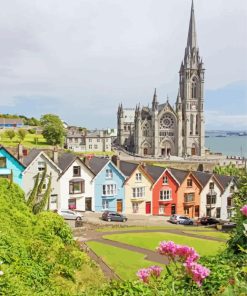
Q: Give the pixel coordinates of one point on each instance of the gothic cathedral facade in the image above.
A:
(161, 130)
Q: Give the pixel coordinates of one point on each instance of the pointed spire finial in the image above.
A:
(191, 41)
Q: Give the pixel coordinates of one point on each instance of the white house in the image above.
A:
(76, 184)
(210, 196)
(229, 186)
(35, 163)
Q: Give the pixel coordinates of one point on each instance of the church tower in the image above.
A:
(191, 90)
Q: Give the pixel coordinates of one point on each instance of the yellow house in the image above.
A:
(138, 189)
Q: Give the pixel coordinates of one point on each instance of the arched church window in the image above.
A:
(191, 124)
(194, 88)
(167, 121)
(145, 130)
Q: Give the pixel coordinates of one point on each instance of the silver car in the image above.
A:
(178, 219)
(70, 215)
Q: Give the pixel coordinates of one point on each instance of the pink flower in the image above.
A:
(155, 270)
(244, 210)
(167, 248)
(197, 272)
(143, 274)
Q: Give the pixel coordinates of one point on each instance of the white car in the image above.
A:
(70, 215)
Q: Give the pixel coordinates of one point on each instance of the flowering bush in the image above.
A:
(244, 210)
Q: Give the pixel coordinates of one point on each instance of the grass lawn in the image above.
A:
(216, 234)
(29, 141)
(124, 262)
(168, 227)
(151, 240)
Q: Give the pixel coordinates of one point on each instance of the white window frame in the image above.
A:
(165, 195)
(41, 166)
(109, 189)
(161, 209)
(109, 174)
(165, 180)
(138, 192)
(138, 177)
(105, 204)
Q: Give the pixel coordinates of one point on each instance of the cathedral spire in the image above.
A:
(155, 102)
(192, 40)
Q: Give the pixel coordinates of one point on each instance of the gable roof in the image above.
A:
(96, 164)
(31, 156)
(202, 177)
(224, 180)
(180, 175)
(12, 156)
(65, 160)
(154, 171)
(127, 168)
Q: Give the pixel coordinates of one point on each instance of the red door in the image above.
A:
(148, 207)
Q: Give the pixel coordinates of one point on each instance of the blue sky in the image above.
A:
(81, 58)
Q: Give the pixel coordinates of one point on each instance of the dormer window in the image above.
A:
(76, 171)
(3, 162)
(211, 185)
(109, 174)
(138, 177)
(189, 182)
(165, 180)
(41, 166)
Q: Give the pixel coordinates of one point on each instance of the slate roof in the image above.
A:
(31, 156)
(2, 147)
(224, 180)
(203, 177)
(127, 168)
(154, 171)
(65, 160)
(96, 164)
(180, 175)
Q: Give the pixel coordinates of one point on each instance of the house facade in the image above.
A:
(76, 184)
(165, 194)
(138, 192)
(10, 167)
(36, 162)
(11, 122)
(108, 184)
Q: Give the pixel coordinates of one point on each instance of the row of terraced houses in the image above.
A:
(101, 184)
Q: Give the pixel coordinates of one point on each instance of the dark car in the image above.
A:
(113, 216)
(209, 221)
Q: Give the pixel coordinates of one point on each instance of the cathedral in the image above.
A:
(161, 130)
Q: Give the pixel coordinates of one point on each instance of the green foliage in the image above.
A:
(38, 252)
(9, 133)
(53, 130)
(42, 204)
(33, 195)
(228, 170)
(32, 131)
(21, 133)
(238, 239)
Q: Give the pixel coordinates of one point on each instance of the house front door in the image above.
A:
(88, 204)
(148, 207)
(119, 205)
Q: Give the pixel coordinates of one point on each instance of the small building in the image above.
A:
(11, 122)
(108, 183)
(10, 167)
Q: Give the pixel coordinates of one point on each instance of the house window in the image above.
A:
(72, 203)
(208, 212)
(229, 202)
(218, 212)
(232, 189)
(165, 194)
(41, 166)
(90, 140)
(138, 177)
(76, 171)
(54, 198)
(189, 197)
(211, 199)
(76, 187)
(110, 189)
(95, 146)
(109, 174)
(138, 192)
(135, 207)
(161, 209)
(165, 180)
(2, 162)
(105, 204)
(186, 211)
(189, 182)
(90, 146)
(211, 185)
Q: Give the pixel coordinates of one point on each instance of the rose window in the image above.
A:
(166, 121)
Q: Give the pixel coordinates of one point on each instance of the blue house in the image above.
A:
(9, 165)
(108, 185)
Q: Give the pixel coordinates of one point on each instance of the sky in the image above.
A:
(81, 58)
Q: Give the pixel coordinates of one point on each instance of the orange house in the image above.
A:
(188, 195)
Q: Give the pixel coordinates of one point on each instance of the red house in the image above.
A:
(164, 192)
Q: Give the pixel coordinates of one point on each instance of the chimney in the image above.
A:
(86, 161)
(116, 160)
(20, 152)
(55, 155)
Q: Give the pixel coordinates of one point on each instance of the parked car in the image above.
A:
(70, 215)
(113, 216)
(177, 219)
(209, 221)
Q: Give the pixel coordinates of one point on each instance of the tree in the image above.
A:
(42, 181)
(21, 133)
(42, 204)
(9, 134)
(53, 130)
(33, 195)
